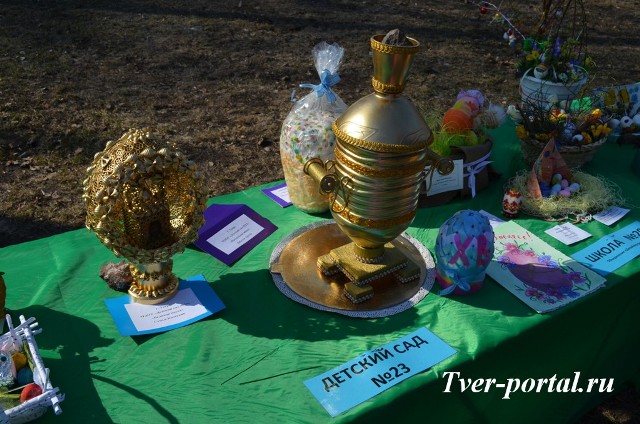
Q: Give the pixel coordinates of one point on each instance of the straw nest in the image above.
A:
(596, 194)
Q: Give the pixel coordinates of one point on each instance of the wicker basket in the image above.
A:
(574, 156)
(23, 335)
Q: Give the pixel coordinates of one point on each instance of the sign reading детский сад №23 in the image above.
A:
(376, 370)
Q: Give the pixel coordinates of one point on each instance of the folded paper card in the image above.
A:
(536, 273)
(279, 194)
(568, 233)
(611, 215)
(231, 231)
(194, 301)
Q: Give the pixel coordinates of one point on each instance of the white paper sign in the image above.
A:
(494, 221)
(611, 215)
(182, 307)
(282, 193)
(443, 183)
(568, 233)
(235, 234)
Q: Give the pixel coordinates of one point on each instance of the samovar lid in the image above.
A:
(386, 120)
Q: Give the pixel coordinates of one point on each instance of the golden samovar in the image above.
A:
(374, 183)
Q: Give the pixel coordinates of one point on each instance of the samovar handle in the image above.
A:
(323, 173)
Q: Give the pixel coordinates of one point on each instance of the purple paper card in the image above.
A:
(231, 231)
(279, 194)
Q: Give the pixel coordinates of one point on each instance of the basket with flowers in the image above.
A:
(578, 130)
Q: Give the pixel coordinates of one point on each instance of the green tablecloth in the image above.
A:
(248, 362)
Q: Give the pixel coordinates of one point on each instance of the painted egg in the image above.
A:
(30, 391)
(555, 189)
(614, 123)
(577, 139)
(568, 130)
(636, 119)
(564, 193)
(564, 183)
(626, 122)
(19, 359)
(556, 179)
(25, 376)
(514, 113)
(464, 248)
(511, 202)
(540, 71)
(7, 370)
(574, 188)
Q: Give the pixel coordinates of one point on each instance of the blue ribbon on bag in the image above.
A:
(327, 79)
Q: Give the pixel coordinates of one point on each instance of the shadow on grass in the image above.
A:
(15, 230)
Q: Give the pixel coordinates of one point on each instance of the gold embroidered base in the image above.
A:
(300, 260)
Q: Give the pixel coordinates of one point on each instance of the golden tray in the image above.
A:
(293, 265)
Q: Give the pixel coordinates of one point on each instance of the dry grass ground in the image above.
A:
(215, 78)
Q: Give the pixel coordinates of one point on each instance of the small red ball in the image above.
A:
(483, 10)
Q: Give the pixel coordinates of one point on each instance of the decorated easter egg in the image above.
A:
(464, 248)
(556, 179)
(30, 391)
(19, 359)
(577, 139)
(574, 188)
(540, 71)
(555, 189)
(636, 120)
(568, 131)
(564, 193)
(614, 123)
(7, 370)
(511, 202)
(626, 122)
(456, 121)
(564, 183)
(25, 376)
(545, 189)
(514, 113)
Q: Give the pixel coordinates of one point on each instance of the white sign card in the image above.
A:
(611, 215)
(183, 306)
(235, 234)
(283, 193)
(568, 233)
(444, 183)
